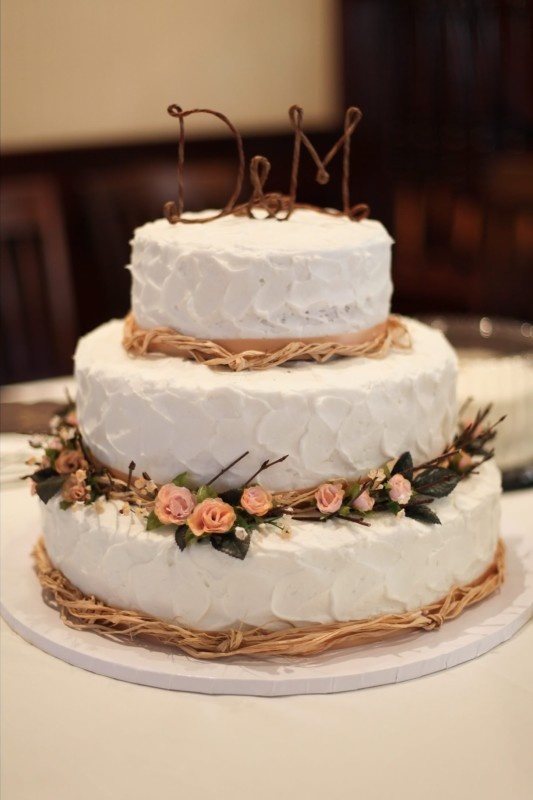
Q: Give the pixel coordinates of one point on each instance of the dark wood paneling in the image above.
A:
(447, 92)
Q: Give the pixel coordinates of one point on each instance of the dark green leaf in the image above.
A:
(230, 544)
(393, 507)
(436, 481)
(44, 474)
(47, 488)
(422, 513)
(181, 537)
(152, 522)
(64, 504)
(404, 465)
(232, 496)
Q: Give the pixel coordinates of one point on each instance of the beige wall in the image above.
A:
(77, 72)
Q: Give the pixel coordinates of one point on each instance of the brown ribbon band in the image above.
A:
(240, 354)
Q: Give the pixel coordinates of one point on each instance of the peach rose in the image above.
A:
(74, 491)
(329, 497)
(399, 489)
(212, 515)
(364, 502)
(173, 504)
(256, 500)
(70, 461)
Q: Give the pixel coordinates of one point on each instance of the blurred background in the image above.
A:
(443, 155)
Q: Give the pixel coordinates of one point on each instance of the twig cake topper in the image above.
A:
(276, 205)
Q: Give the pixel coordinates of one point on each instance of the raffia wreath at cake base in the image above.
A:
(87, 613)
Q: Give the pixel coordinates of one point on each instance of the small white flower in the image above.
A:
(377, 475)
(401, 513)
(241, 534)
(55, 422)
(81, 475)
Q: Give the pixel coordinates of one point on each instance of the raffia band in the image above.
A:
(87, 613)
(240, 354)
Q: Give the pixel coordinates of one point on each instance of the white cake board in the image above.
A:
(475, 632)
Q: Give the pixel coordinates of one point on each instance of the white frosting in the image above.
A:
(337, 419)
(312, 275)
(506, 382)
(327, 572)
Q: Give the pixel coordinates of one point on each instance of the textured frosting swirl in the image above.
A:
(235, 277)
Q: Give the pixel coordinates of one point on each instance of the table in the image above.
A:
(461, 733)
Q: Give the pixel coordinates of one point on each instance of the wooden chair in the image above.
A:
(37, 298)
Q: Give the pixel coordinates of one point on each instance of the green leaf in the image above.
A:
(230, 544)
(181, 480)
(52, 453)
(344, 511)
(153, 522)
(404, 465)
(394, 507)
(436, 482)
(204, 492)
(181, 537)
(64, 504)
(353, 491)
(47, 488)
(422, 513)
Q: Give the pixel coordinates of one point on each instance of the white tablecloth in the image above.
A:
(462, 733)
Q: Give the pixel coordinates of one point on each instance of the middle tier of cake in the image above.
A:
(338, 419)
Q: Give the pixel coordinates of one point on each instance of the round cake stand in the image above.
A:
(479, 629)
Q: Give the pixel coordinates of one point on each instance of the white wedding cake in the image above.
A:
(325, 524)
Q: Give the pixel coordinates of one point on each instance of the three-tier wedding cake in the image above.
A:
(263, 446)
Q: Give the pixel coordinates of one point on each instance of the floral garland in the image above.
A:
(227, 519)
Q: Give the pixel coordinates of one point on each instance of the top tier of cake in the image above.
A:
(313, 275)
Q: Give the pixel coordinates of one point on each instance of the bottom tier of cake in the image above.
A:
(320, 572)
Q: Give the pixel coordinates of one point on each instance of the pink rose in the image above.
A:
(173, 504)
(74, 491)
(364, 502)
(329, 497)
(256, 500)
(70, 461)
(399, 489)
(212, 515)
